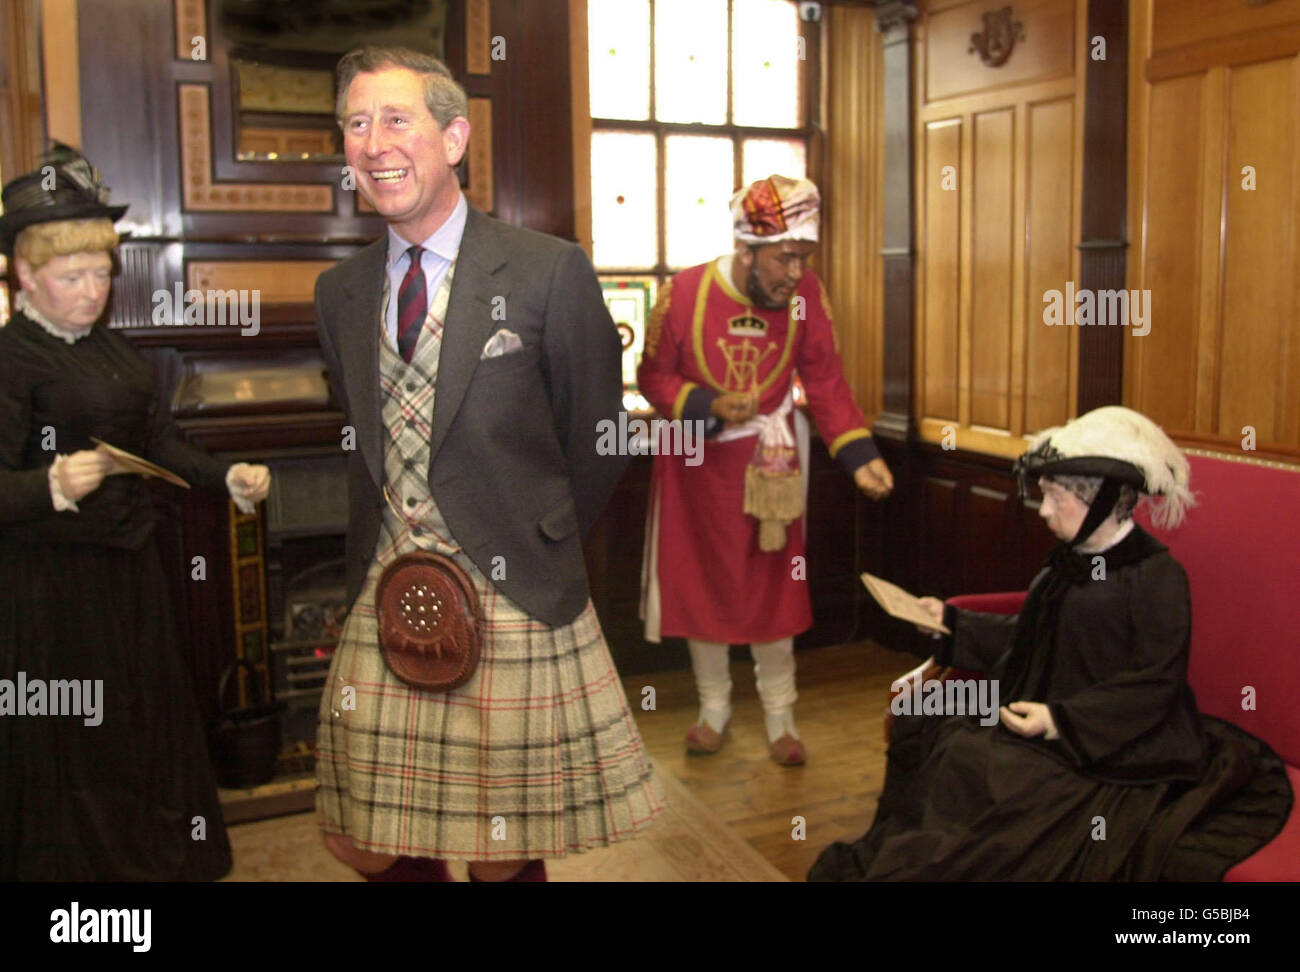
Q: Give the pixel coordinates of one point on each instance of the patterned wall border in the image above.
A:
(479, 191)
(478, 31)
(191, 22)
(201, 194)
(277, 281)
(1244, 460)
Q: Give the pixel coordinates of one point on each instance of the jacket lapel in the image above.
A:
(469, 320)
(358, 346)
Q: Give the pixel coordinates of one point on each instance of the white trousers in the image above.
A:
(773, 675)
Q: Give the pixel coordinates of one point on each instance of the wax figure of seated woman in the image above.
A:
(1099, 760)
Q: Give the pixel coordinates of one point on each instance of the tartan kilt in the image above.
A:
(536, 756)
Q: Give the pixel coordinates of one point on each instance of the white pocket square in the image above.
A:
(502, 342)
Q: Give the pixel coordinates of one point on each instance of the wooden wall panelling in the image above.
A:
(985, 363)
(277, 282)
(531, 122)
(581, 115)
(1164, 361)
(992, 259)
(1046, 49)
(1202, 253)
(941, 530)
(939, 271)
(20, 88)
(125, 132)
(1047, 363)
(62, 105)
(1259, 256)
(1288, 425)
(1209, 98)
(1190, 36)
(851, 225)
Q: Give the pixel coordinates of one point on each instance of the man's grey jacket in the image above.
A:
(514, 467)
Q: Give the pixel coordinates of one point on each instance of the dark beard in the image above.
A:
(754, 291)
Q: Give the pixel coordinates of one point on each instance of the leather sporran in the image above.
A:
(429, 619)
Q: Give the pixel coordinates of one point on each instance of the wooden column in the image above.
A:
(896, 420)
(885, 545)
(1103, 229)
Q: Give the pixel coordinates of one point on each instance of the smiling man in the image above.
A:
(724, 554)
(475, 361)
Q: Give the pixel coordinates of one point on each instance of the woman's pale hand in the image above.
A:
(933, 607)
(248, 485)
(1029, 719)
(82, 472)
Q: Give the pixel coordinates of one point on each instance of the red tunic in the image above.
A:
(705, 338)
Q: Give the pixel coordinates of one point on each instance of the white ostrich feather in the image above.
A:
(1115, 432)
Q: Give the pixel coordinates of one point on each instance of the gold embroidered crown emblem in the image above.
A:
(743, 360)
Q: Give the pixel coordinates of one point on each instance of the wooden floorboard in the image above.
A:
(842, 695)
(731, 815)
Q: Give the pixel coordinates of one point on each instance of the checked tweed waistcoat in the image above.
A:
(536, 756)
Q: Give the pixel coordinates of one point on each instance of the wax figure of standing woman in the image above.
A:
(724, 551)
(110, 794)
(1097, 722)
(476, 361)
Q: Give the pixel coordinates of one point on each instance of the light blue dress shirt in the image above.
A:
(440, 251)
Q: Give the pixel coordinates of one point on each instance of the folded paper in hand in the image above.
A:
(900, 604)
(134, 464)
(502, 342)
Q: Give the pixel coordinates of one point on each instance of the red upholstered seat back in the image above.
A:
(1241, 548)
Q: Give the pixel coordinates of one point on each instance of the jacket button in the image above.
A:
(410, 501)
(417, 532)
(410, 386)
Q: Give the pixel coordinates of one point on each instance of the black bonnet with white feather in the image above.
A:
(1120, 445)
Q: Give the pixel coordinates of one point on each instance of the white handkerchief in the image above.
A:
(502, 342)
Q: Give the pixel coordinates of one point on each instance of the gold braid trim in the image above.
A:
(826, 309)
(656, 326)
(850, 436)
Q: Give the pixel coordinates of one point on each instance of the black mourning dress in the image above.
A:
(1134, 766)
(83, 596)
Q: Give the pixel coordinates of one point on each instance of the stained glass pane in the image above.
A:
(618, 53)
(773, 156)
(765, 59)
(629, 300)
(699, 180)
(691, 61)
(624, 224)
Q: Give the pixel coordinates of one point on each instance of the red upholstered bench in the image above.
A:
(1239, 547)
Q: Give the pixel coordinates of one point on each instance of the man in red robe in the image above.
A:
(724, 556)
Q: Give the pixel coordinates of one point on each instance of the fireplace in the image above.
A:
(306, 517)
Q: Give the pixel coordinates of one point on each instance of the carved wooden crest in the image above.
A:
(998, 38)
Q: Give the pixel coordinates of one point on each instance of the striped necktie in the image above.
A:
(412, 306)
